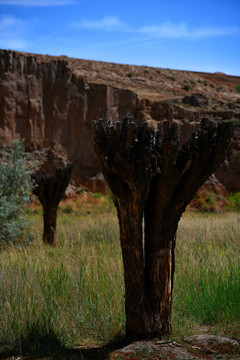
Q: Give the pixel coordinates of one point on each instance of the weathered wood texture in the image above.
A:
(153, 176)
(50, 190)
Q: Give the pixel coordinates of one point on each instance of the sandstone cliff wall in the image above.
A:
(51, 106)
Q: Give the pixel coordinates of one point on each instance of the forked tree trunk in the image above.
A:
(152, 174)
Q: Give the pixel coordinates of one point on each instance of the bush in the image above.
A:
(237, 88)
(67, 209)
(235, 121)
(186, 87)
(234, 202)
(15, 190)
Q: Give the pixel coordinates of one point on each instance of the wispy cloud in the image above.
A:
(177, 31)
(158, 31)
(47, 3)
(109, 23)
(13, 33)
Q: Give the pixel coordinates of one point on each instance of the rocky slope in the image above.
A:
(51, 101)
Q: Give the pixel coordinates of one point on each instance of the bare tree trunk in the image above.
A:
(127, 169)
(130, 222)
(49, 224)
(152, 173)
(160, 239)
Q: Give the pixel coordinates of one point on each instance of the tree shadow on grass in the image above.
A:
(42, 343)
(94, 353)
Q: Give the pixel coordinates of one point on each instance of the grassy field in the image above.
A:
(73, 294)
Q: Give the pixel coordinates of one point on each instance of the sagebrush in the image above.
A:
(15, 191)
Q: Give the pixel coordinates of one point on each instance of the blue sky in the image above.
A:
(184, 34)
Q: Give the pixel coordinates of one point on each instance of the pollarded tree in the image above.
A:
(50, 190)
(152, 175)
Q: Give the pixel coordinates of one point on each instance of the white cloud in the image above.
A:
(109, 23)
(7, 21)
(13, 33)
(158, 31)
(177, 31)
(37, 2)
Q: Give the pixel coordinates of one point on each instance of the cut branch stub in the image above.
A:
(128, 156)
(50, 190)
(205, 151)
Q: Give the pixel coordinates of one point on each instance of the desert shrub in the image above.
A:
(234, 202)
(237, 87)
(235, 121)
(129, 75)
(186, 87)
(209, 201)
(68, 209)
(15, 190)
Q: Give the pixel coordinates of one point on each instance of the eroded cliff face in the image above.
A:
(51, 104)
(51, 108)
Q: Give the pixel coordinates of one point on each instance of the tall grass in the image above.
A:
(207, 279)
(74, 293)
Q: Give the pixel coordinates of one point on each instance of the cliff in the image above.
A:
(50, 102)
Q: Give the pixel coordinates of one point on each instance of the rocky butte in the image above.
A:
(51, 102)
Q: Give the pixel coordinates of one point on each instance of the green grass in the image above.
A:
(73, 293)
(207, 279)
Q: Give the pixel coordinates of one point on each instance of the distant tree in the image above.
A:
(15, 191)
(153, 176)
(50, 190)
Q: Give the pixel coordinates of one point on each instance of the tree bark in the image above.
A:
(152, 174)
(160, 240)
(49, 224)
(130, 222)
